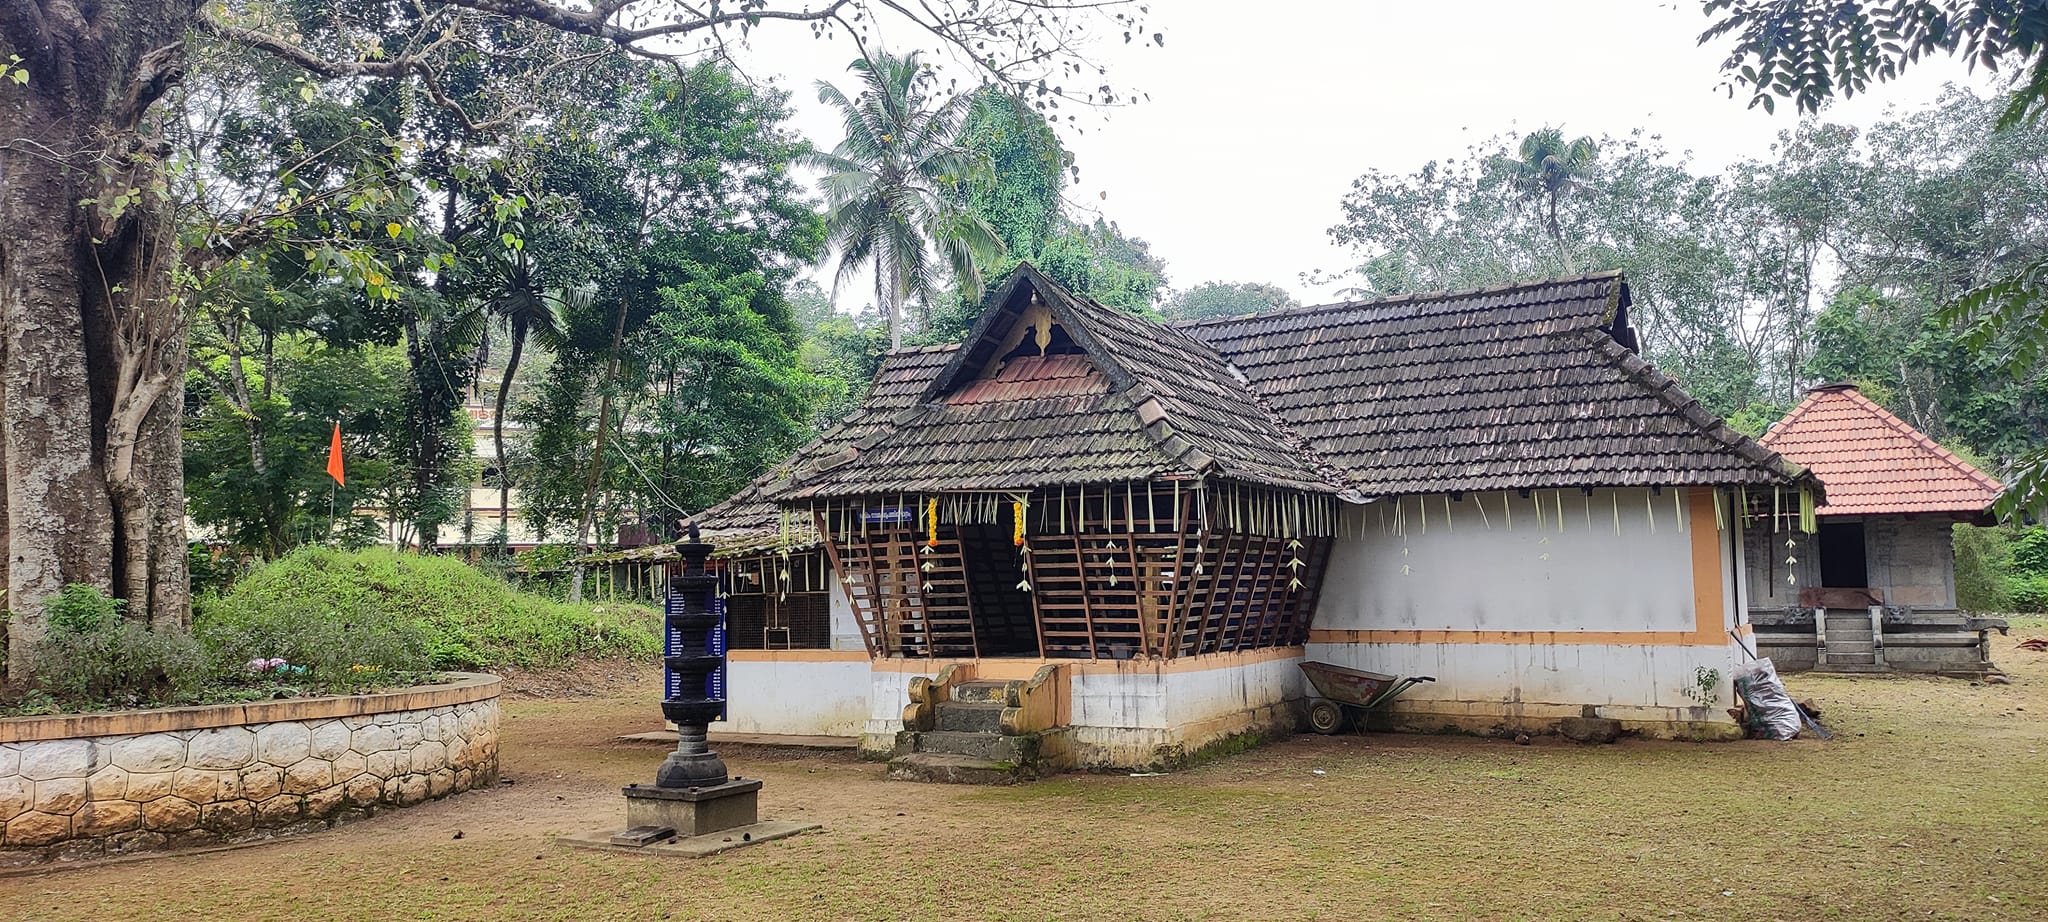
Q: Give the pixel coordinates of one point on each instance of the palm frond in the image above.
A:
(2026, 486)
(2009, 312)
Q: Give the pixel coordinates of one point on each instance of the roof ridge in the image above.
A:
(1290, 439)
(1921, 438)
(1444, 295)
(917, 350)
(1806, 403)
(1667, 389)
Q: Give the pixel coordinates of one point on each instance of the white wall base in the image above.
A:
(1528, 687)
(796, 697)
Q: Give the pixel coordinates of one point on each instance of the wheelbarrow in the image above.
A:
(1346, 694)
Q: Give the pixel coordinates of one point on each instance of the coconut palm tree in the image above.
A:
(1543, 172)
(890, 188)
(527, 310)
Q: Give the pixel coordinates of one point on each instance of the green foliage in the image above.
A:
(842, 351)
(292, 405)
(92, 654)
(1757, 418)
(1705, 687)
(2028, 593)
(1544, 169)
(688, 207)
(2030, 552)
(1810, 50)
(1096, 261)
(82, 609)
(1227, 299)
(318, 621)
(405, 611)
(1729, 272)
(893, 187)
(1983, 568)
(1019, 194)
(212, 569)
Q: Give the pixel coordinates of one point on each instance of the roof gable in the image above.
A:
(1873, 462)
(1050, 388)
(1530, 385)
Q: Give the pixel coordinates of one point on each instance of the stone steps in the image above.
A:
(967, 744)
(969, 716)
(983, 692)
(947, 768)
(992, 746)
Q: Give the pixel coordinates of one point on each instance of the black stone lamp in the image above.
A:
(692, 808)
(690, 613)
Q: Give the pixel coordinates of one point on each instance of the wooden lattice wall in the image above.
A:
(1114, 574)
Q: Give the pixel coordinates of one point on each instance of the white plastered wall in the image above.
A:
(845, 630)
(1138, 712)
(1614, 562)
(1406, 565)
(795, 696)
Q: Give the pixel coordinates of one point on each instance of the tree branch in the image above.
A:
(295, 55)
(155, 74)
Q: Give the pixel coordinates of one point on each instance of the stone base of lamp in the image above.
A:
(695, 811)
(689, 822)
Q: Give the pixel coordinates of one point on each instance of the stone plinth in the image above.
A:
(91, 785)
(695, 811)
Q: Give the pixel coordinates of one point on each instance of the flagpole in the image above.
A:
(334, 471)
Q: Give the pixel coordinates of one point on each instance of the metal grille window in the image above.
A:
(765, 611)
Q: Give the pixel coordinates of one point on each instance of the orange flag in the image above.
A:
(334, 456)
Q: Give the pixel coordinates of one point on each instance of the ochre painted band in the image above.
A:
(797, 656)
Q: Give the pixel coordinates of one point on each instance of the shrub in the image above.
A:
(1983, 567)
(212, 569)
(92, 655)
(2030, 552)
(403, 611)
(2029, 593)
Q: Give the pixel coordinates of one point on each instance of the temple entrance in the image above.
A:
(1842, 564)
(1003, 622)
(1114, 572)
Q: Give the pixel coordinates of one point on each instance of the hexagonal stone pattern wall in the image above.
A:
(85, 797)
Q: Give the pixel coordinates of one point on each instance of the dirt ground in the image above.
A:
(1930, 804)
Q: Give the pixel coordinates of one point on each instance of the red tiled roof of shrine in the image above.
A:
(1872, 462)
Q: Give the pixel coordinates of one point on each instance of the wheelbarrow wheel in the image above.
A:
(1326, 716)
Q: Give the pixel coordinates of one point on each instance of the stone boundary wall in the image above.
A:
(87, 785)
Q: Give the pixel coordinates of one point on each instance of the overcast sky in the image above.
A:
(1261, 114)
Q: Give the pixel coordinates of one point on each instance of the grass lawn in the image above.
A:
(1930, 804)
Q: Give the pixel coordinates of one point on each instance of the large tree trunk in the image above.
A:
(85, 307)
(888, 296)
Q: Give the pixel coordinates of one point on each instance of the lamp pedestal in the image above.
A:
(692, 808)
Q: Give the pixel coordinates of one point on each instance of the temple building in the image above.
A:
(1874, 587)
(1081, 538)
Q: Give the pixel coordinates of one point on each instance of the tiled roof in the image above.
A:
(1516, 387)
(748, 522)
(1523, 386)
(1873, 462)
(1136, 401)
(1200, 396)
